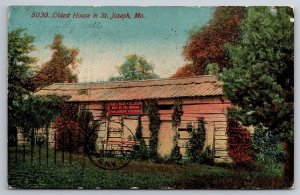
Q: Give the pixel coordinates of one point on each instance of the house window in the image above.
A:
(165, 107)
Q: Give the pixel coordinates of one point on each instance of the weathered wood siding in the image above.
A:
(212, 109)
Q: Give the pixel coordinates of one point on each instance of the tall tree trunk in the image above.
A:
(289, 165)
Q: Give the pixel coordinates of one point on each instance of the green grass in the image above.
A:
(144, 175)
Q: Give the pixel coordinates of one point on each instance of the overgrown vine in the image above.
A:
(196, 142)
(141, 149)
(154, 124)
(177, 113)
(176, 120)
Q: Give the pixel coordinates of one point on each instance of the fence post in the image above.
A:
(70, 147)
(77, 144)
(47, 144)
(40, 149)
(31, 146)
(55, 147)
(16, 152)
(24, 152)
(63, 150)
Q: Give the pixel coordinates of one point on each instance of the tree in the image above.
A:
(37, 112)
(212, 69)
(135, 68)
(88, 126)
(60, 68)
(76, 128)
(67, 128)
(260, 80)
(186, 70)
(206, 44)
(20, 45)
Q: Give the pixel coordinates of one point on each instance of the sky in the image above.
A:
(103, 42)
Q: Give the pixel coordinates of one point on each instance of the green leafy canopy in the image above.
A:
(260, 80)
(135, 68)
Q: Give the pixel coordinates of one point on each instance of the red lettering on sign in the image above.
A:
(125, 108)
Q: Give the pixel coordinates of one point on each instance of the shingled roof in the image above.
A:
(136, 90)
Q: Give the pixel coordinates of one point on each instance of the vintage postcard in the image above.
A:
(150, 97)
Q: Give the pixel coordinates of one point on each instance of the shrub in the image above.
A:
(68, 134)
(88, 126)
(196, 142)
(239, 143)
(207, 156)
(265, 145)
(75, 129)
(175, 153)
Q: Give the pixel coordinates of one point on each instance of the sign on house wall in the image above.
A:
(125, 108)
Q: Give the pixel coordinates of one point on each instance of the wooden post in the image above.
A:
(40, 149)
(70, 147)
(54, 147)
(214, 142)
(63, 150)
(16, 152)
(24, 153)
(47, 144)
(31, 146)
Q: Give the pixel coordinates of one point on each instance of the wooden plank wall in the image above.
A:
(212, 109)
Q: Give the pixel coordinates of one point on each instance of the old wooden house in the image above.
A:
(112, 102)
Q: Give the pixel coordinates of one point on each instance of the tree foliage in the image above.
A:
(60, 68)
(212, 69)
(187, 70)
(260, 80)
(75, 128)
(65, 123)
(135, 68)
(38, 112)
(20, 45)
(265, 145)
(206, 44)
(88, 126)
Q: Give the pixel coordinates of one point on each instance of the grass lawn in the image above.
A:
(143, 175)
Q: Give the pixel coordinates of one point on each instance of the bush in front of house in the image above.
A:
(75, 130)
(239, 143)
(175, 153)
(195, 145)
